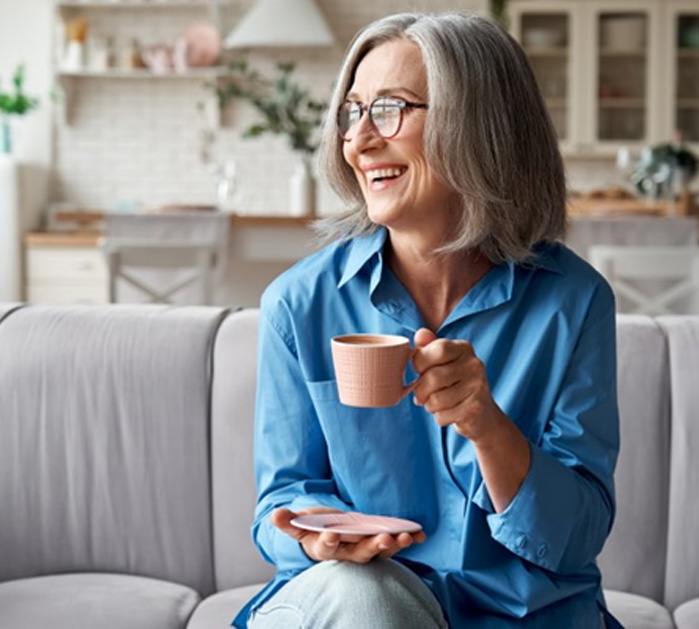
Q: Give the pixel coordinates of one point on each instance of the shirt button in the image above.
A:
(542, 550)
(521, 541)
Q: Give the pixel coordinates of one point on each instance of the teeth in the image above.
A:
(384, 172)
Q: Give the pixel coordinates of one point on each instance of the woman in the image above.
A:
(506, 453)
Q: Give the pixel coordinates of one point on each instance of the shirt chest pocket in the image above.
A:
(373, 451)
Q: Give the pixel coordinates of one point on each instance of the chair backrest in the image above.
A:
(127, 260)
(104, 441)
(650, 280)
(169, 257)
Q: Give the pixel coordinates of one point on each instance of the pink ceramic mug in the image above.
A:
(369, 369)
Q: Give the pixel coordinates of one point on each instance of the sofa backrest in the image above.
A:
(633, 559)
(237, 561)
(682, 571)
(104, 441)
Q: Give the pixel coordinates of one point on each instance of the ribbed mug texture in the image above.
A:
(369, 368)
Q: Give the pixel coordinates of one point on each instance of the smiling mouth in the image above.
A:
(380, 178)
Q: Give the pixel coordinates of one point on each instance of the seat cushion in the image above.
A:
(107, 601)
(687, 615)
(218, 610)
(638, 612)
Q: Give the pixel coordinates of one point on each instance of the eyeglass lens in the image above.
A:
(384, 114)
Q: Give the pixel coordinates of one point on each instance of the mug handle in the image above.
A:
(409, 388)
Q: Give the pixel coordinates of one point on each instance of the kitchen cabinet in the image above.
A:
(65, 269)
(681, 30)
(613, 72)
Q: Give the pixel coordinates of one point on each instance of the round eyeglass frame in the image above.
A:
(401, 103)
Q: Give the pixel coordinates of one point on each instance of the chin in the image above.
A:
(385, 214)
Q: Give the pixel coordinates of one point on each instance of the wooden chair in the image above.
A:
(191, 264)
(651, 280)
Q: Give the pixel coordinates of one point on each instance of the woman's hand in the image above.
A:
(326, 545)
(453, 386)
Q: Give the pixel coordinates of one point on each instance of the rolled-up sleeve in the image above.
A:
(291, 461)
(564, 509)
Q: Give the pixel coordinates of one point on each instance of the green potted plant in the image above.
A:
(13, 103)
(284, 108)
(663, 168)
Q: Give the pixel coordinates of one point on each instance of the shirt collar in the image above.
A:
(362, 249)
(544, 258)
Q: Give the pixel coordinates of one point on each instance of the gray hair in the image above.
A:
(487, 134)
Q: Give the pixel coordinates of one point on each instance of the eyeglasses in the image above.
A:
(385, 115)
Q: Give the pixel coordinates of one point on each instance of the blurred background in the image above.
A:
(137, 126)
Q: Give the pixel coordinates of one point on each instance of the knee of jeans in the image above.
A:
(346, 581)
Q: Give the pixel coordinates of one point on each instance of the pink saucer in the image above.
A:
(354, 523)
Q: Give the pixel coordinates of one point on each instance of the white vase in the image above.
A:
(302, 190)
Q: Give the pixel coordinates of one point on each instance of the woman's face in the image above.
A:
(415, 197)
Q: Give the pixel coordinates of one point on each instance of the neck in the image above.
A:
(436, 282)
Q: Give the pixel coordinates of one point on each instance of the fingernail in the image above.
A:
(384, 546)
(415, 401)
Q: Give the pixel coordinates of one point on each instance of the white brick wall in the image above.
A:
(138, 141)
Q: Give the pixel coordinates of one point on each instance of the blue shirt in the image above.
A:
(546, 334)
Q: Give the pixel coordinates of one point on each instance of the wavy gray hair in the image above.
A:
(487, 134)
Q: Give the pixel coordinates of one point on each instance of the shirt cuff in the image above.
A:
(531, 526)
(288, 554)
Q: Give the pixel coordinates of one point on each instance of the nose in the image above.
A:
(364, 134)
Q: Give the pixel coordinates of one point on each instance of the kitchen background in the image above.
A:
(124, 143)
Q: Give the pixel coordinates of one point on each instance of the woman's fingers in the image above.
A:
(328, 545)
(281, 518)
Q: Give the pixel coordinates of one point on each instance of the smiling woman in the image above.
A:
(486, 134)
(504, 458)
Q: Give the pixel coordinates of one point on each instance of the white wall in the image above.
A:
(133, 142)
(25, 37)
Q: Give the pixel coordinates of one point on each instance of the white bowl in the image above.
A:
(622, 33)
(543, 37)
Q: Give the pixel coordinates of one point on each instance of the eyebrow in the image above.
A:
(386, 91)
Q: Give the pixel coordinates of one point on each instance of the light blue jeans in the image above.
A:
(382, 594)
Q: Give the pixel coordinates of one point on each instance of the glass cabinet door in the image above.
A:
(544, 31)
(545, 37)
(622, 76)
(685, 60)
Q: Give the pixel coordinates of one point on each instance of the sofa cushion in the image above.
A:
(637, 612)
(682, 573)
(219, 609)
(237, 561)
(106, 465)
(687, 615)
(107, 601)
(633, 559)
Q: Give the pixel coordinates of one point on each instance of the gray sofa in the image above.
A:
(126, 485)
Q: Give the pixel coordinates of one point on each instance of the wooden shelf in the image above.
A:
(210, 72)
(609, 53)
(62, 239)
(622, 103)
(557, 53)
(89, 218)
(556, 103)
(66, 80)
(141, 4)
(688, 103)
